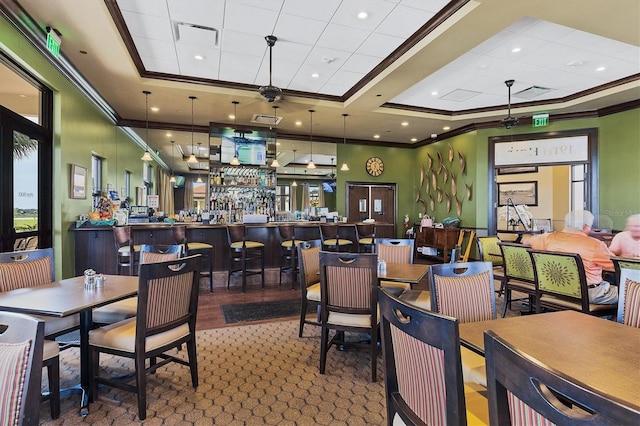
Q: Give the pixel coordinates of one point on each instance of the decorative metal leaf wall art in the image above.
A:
(439, 194)
(434, 180)
(463, 164)
(439, 167)
(430, 161)
(424, 205)
(450, 153)
(454, 185)
(468, 190)
(445, 176)
(458, 206)
(417, 192)
(432, 203)
(421, 175)
(448, 201)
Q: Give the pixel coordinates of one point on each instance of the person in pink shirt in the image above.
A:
(574, 238)
(627, 242)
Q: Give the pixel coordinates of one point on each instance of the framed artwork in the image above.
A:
(78, 182)
(518, 192)
(516, 170)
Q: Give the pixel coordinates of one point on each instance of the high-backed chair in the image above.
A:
(331, 239)
(465, 291)
(127, 308)
(309, 272)
(422, 368)
(242, 253)
(521, 390)
(629, 297)
(488, 251)
(561, 284)
(395, 250)
(518, 273)
(127, 253)
(288, 253)
(366, 236)
(349, 302)
(21, 347)
(624, 262)
(165, 320)
(195, 247)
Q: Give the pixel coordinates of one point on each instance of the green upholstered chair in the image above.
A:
(629, 297)
(488, 251)
(518, 272)
(624, 262)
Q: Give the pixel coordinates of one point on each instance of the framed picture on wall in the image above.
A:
(518, 192)
(78, 187)
(516, 170)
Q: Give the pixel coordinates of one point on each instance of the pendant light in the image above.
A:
(173, 176)
(294, 169)
(345, 167)
(192, 157)
(275, 163)
(311, 165)
(199, 180)
(146, 156)
(234, 160)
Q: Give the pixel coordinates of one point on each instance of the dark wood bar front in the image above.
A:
(95, 245)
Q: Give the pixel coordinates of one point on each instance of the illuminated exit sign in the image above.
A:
(53, 43)
(540, 120)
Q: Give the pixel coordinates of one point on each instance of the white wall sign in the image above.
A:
(154, 201)
(539, 151)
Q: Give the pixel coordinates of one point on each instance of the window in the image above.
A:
(126, 192)
(578, 173)
(283, 203)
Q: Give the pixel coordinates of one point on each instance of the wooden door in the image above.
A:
(366, 201)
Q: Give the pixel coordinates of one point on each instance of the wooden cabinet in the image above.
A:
(442, 239)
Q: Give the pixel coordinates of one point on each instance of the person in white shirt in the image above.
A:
(627, 242)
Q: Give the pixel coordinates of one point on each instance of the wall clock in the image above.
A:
(375, 166)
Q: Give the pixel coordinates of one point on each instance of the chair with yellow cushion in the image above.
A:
(629, 297)
(243, 254)
(422, 368)
(195, 247)
(288, 253)
(518, 272)
(331, 239)
(488, 251)
(309, 272)
(127, 253)
(366, 236)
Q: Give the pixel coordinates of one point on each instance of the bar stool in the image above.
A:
(288, 253)
(196, 247)
(331, 241)
(127, 253)
(242, 253)
(366, 233)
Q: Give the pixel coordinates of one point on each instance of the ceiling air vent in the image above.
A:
(195, 35)
(266, 119)
(459, 95)
(532, 92)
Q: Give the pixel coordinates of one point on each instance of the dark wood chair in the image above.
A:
(242, 253)
(331, 240)
(521, 390)
(629, 297)
(349, 302)
(309, 272)
(395, 250)
(127, 253)
(366, 236)
(561, 284)
(21, 348)
(165, 320)
(196, 247)
(518, 273)
(288, 253)
(422, 368)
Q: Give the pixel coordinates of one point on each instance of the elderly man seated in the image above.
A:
(574, 238)
(627, 242)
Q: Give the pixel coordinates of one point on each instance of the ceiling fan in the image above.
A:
(271, 93)
(509, 121)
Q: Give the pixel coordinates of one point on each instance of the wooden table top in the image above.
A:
(67, 297)
(600, 353)
(411, 273)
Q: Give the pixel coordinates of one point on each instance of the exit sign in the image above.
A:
(53, 43)
(540, 120)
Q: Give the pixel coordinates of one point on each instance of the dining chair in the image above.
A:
(366, 236)
(331, 239)
(349, 303)
(629, 297)
(518, 273)
(21, 348)
(423, 370)
(561, 284)
(465, 291)
(309, 273)
(124, 248)
(624, 262)
(488, 251)
(165, 320)
(522, 390)
(127, 308)
(465, 242)
(242, 253)
(395, 250)
(195, 247)
(288, 253)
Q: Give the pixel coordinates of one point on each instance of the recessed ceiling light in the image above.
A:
(414, 139)
(298, 123)
(155, 109)
(315, 75)
(363, 15)
(446, 128)
(199, 57)
(404, 123)
(376, 136)
(231, 117)
(515, 50)
(434, 93)
(601, 68)
(277, 143)
(434, 135)
(169, 135)
(22, 96)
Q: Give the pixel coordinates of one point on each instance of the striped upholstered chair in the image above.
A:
(165, 320)
(523, 391)
(349, 303)
(629, 297)
(309, 270)
(423, 373)
(465, 291)
(393, 250)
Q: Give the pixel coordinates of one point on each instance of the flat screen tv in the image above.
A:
(328, 187)
(249, 151)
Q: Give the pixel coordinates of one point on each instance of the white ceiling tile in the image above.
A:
(492, 42)
(377, 10)
(320, 10)
(155, 48)
(524, 43)
(404, 21)
(207, 67)
(237, 67)
(148, 26)
(290, 52)
(146, 7)
(273, 5)
(610, 47)
(245, 44)
(249, 20)
(163, 64)
(343, 79)
(322, 57)
(578, 39)
(428, 5)
(546, 30)
(342, 38)
(379, 45)
(360, 64)
(208, 13)
(298, 29)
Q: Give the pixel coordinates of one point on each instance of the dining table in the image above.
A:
(69, 297)
(597, 352)
(411, 273)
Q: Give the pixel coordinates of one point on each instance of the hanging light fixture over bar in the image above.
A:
(234, 160)
(146, 156)
(199, 180)
(311, 165)
(345, 167)
(192, 157)
(173, 176)
(275, 163)
(294, 169)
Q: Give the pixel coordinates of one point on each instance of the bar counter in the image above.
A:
(95, 245)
